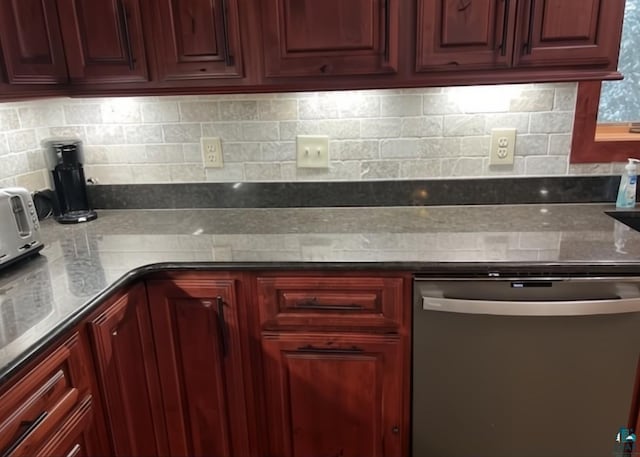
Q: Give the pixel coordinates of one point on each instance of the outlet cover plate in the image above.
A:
(212, 152)
(313, 151)
(503, 146)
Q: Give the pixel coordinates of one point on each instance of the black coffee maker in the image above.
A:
(64, 160)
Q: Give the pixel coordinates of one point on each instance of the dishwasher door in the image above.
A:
(519, 368)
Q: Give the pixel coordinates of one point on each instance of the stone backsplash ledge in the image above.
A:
(389, 134)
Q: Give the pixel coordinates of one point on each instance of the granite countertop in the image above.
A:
(39, 298)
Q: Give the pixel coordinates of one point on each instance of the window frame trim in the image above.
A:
(584, 146)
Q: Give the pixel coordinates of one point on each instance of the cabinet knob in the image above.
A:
(114, 332)
(395, 430)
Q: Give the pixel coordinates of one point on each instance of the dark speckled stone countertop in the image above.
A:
(39, 298)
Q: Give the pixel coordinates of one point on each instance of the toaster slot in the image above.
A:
(20, 215)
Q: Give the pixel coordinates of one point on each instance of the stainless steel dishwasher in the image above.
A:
(523, 367)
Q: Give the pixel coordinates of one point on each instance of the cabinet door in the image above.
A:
(31, 42)
(103, 40)
(198, 39)
(329, 37)
(334, 395)
(128, 375)
(464, 34)
(195, 325)
(569, 32)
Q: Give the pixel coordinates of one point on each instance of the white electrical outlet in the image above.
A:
(503, 146)
(212, 152)
(313, 151)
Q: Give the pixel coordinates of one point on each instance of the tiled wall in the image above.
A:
(385, 134)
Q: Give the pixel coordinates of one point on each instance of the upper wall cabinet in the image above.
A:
(31, 42)
(486, 34)
(569, 32)
(329, 37)
(198, 39)
(103, 40)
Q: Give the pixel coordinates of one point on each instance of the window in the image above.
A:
(606, 112)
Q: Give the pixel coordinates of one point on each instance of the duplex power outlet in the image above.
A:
(313, 151)
(503, 146)
(212, 152)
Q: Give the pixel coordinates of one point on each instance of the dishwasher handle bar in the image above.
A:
(532, 308)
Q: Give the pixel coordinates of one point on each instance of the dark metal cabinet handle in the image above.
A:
(505, 28)
(529, 44)
(395, 429)
(222, 326)
(228, 55)
(124, 24)
(387, 25)
(316, 350)
(31, 426)
(313, 304)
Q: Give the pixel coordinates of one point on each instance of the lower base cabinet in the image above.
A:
(186, 368)
(334, 395)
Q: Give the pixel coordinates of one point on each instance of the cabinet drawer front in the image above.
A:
(42, 400)
(71, 439)
(330, 302)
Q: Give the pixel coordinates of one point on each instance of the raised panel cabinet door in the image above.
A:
(195, 325)
(464, 34)
(334, 395)
(569, 33)
(329, 37)
(103, 40)
(32, 42)
(198, 39)
(128, 375)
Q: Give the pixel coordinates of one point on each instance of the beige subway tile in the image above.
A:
(83, 114)
(32, 181)
(440, 147)
(462, 166)
(422, 126)
(182, 133)
(358, 105)
(338, 171)
(143, 134)
(400, 105)
(380, 128)
(515, 169)
(110, 174)
(546, 165)
(104, 134)
(151, 174)
(241, 152)
(439, 104)
(464, 125)
(125, 154)
(163, 153)
(35, 159)
(160, 112)
(340, 129)
(13, 165)
(354, 149)
(319, 107)
(262, 171)
(121, 111)
(565, 98)
(518, 121)
(22, 140)
(425, 168)
(9, 120)
(239, 110)
(4, 145)
(400, 147)
(528, 145)
(227, 131)
(474, 146)
(552, 122)
(199, 111)
(232, 172)
(260, 131)
(280, 151)
(187, 173)
(590, 169)
(559, 144)
(379, 169)
(277, 110)
(41, 115)
(69, 131)
(192, 153)
(533, 100)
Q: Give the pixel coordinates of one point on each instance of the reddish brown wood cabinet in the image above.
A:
(103, 40)
(198, 39)
(486, 34)
(128, 375)
(334, 395)
(197, 337)
(32, 42)
(329, 37)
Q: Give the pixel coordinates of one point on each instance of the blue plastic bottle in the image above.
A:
(628, 181)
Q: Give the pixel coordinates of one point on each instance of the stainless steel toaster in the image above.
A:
(19, 227)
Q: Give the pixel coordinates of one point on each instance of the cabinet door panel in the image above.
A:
(334, 395)
(464, 34)
(31, 42)
(103, 40)
(195, 324)
(128, 376)
(198, 39)
(569, 32)
(323, 37)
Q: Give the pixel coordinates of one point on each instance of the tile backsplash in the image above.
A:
(382, 134)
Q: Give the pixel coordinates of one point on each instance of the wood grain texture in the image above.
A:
(200, 362)
(32, 42)
(128, 375)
